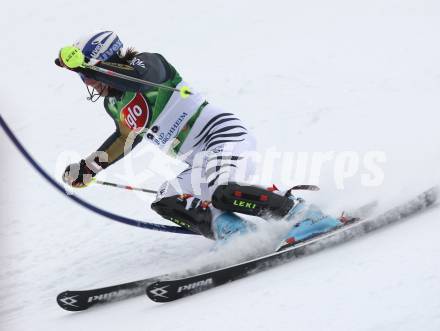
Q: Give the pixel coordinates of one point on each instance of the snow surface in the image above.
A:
(314, 76)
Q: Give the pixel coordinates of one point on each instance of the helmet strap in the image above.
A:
(93, 94)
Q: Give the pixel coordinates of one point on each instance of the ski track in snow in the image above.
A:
(330, 76)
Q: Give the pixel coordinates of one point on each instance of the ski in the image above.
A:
(82, 300)
(165, 290)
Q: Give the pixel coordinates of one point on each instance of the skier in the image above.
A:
(215, 144)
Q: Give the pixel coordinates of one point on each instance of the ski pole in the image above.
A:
(126, 187)
(184, 90)
(72, 57)
(131, 188)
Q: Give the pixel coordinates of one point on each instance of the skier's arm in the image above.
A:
(113, 149)
(120, 143)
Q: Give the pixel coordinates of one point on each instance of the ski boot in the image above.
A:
(309, 222)
(228, 224)
(312, 222)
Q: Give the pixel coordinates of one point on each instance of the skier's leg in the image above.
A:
(175, 202)
(224, 163)
(217, 148)
(195, 212)
(226, 144)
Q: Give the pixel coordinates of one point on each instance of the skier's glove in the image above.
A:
(78, 175)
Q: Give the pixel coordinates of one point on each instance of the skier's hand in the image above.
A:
(78, 175)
